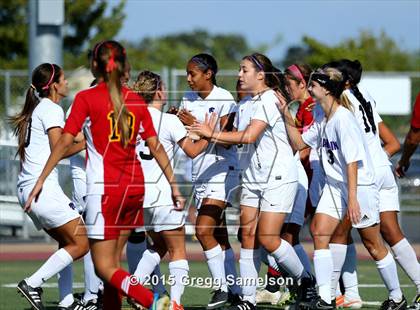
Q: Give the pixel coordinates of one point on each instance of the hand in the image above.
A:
(172, 110)
(205, 129)
(179, 201)
(401, 168)
(186, 117)
(353, 211)
(310, 106)
(33, 195)
(282, 104)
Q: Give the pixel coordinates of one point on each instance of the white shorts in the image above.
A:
(53, 208)
(335, 205)
(162, 218)
(297, 216)
(221, 186)
(388, 189)
(79, 195)
(278, 199)
(317, 184)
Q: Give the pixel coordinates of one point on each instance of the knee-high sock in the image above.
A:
(407, 258)
(92, 281)
(179, 270)
(338, 254)
(249, 265)
(349, 273)
(134, 253)
(146, 265)
(323, 265)
(65, 286)
(230, 271)
(287, 259)
(216, 265)
(388, 271)
(121, 281)
(55, 263)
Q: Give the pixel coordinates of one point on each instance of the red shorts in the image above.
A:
(107, 215)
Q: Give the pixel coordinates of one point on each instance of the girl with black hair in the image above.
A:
(376, 133)
(269, 176)
(350, 197)
(214, 174)
(39, 127)
(115, 184)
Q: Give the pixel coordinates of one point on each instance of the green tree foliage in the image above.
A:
(85, 23)
(174, 50)
(376, 53)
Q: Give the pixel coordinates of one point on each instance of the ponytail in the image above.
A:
(367, 107)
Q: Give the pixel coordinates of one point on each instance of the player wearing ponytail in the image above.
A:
(112, 116)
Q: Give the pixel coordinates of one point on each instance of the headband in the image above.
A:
(256, 62)
(51, 78)
(295, 71)
(324, 80)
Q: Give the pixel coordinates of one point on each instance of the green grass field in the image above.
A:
(194, 298)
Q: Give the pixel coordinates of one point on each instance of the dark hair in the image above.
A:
(304, 69)
(353, 71)
(110, 57)
(206, 62)
(147, 84)
(273, 77)
(43, 77)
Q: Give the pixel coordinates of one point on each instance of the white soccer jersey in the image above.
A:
(377, 153)
(340, 142)
(77, 161)
(46, 115)
(270, 158)
(170, 132)
(221, 102)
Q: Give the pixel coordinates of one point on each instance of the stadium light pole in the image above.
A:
(46, 19)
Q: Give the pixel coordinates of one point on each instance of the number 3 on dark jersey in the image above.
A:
(114, 134)
(330, 157)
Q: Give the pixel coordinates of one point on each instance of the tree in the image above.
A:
(85, 23)
(376, 53)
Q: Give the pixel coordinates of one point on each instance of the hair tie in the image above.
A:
(111, 65)
(51, 78)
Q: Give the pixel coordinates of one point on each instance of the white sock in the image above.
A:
(349, 273)
(54, 264)
(323, 265)
(230, 270)
(65, 286)
(303, 256)
(388, 271)
(269, 260)
(407, 258)
(92, 281)
(216, 265)
(338, 254)
(134, 253)
(146, 265)
(249, 266)
(179, 270)
(287, 258)
(158, 288)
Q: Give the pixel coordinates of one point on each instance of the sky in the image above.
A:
(276, 23)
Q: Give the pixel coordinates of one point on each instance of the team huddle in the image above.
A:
(292, 145)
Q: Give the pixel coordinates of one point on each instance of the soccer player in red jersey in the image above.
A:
(112, 116)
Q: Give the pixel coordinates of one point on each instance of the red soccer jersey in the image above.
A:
(110, 168)
(415, 120)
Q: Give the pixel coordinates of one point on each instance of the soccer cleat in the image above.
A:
(76, 305)
(93, 304)
(174, 306)
(164, 302)
(317, 304)
(416, 303)
(233, 298)
(306, 291)
(390, 304)
(242, 305)
(264, 296)
(218, 300)
(32, 294)
(343, 301)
